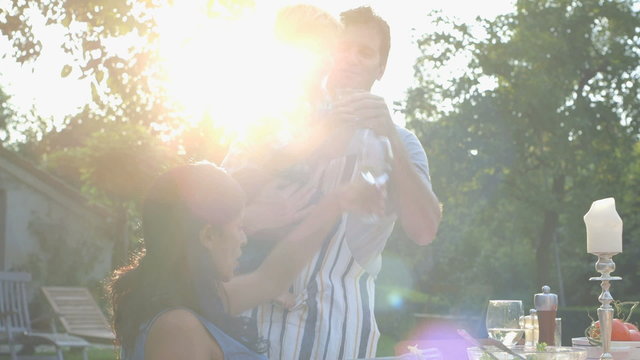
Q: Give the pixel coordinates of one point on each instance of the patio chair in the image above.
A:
(15, 323)
(79, 313)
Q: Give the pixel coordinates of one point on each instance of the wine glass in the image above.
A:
(503, 321)
(374, 159)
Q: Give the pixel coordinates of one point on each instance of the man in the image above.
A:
(331, 312)
(361, 60)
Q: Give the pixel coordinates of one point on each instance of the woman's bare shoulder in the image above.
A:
(178, 333)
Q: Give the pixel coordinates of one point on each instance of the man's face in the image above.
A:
(357, 61)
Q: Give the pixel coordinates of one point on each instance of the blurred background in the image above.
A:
(528, 111)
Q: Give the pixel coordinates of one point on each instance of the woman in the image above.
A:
(167, 305)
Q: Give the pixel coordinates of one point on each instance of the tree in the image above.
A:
(7, 114)
(126, 86)
(541, 122)
(132, 129)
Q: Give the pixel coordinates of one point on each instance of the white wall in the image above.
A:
(36, 212)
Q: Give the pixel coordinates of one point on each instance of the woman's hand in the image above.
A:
(362, 197)
(278, 205)
(295, 250)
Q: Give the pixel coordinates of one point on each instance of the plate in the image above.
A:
(551, 353)
(626, 350)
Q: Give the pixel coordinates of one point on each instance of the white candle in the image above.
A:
(604, 227)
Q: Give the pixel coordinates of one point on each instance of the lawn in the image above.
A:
(385, 347)
(100, 353)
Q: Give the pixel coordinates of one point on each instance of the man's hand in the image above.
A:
(366, 110)
(416, 204)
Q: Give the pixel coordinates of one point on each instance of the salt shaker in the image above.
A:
(546, 305)
(536, 328)
(531, 329)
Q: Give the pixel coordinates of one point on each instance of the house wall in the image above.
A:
(48, 233)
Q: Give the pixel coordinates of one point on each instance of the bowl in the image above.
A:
(623, 350)
(550, 353)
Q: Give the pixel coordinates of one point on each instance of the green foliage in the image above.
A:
(386, 345)
(541, 122)
(65, 257)
(132, 129)
(117, 165)
(126, 85)
(7, 113)
(394, 326)
(16, 127)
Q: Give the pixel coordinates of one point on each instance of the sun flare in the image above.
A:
(233, 71)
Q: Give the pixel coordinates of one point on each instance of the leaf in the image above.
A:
(95, 96)
(66, 70)
(66, 21)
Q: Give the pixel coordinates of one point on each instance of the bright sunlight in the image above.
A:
(232, 70)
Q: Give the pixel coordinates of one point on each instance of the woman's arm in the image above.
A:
(276, 209)
(291, 254)
(179, 334)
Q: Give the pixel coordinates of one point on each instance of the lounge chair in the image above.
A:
(79, 313)
(15, 323)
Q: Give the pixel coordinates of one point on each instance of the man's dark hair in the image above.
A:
(364, 15)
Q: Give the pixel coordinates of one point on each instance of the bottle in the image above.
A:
(546, 305)
(531, 329)
(536, 327)
(374, 162)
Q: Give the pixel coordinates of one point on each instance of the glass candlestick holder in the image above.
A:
(605, 266)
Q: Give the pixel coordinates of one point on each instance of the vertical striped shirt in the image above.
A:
(332, 317)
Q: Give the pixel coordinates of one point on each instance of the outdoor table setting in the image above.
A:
(537, 336)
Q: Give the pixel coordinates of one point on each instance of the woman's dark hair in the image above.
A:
(174, 269)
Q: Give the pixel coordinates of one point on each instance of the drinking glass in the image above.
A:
(374, 152)
(557, 335)
(503, 321)
(374, 162)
